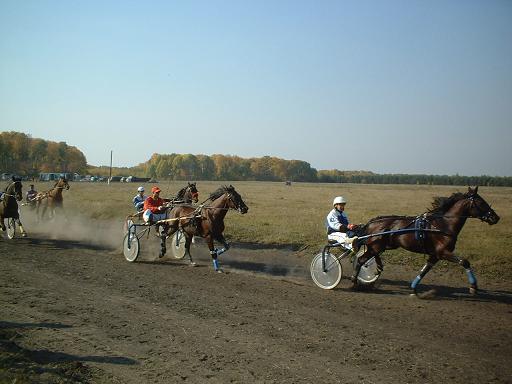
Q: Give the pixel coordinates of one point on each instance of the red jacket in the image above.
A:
(153, 204)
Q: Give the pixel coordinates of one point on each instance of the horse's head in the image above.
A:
(192, 192)
(479, 208)
(235, 201)
(15, 189)
(63, 183)
(189, 193)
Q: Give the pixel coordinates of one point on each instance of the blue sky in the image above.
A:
(386, 86)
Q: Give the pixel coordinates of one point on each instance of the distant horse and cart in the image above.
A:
(50, 201)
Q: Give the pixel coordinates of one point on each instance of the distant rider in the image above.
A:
(338, 225)
(31, 195)
(138, 200)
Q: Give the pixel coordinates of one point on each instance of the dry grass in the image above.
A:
(293, 216)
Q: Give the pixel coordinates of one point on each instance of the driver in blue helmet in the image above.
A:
(138, 200)
(338, 225)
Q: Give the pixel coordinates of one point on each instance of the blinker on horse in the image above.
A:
(435, 237)
(9, 205)
(206, 221)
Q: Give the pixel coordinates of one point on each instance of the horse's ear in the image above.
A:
(13, 178)
(475, 190)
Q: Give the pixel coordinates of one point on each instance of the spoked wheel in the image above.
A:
(329, 277)
(178, 244)
(131, 247)
(11, 228)
(369, 273)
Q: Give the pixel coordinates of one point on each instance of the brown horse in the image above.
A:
(433, 233)
(206, 221)
(9, 204)
(51, 199)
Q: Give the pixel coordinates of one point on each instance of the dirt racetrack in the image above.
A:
(78, 312)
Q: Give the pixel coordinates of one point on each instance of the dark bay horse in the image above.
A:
(52, 199)
(206, 221)
(9, 204)
(433, 233)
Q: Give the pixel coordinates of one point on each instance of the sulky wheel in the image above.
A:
(178, 244)
(131, 247)
(369, 273)
(331, 276)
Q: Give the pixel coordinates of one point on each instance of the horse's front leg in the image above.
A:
(2, 225)
(432, 260)
(464, 263)
(213, 253)
(225, 244)
(43, 212)
(22, 230)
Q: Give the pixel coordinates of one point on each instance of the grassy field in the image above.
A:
(293, 216)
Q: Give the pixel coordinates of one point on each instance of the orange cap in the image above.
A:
(155, 189)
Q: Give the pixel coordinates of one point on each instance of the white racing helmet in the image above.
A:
(339, 200)
(140, 189)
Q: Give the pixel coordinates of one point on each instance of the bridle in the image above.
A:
(230, 198)
(483, 217)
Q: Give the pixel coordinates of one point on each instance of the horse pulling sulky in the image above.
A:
(186, 221)
(51, 200)
(136, 228)
(9, 208)
(434, 234)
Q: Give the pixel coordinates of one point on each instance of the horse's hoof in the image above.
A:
(193, 264)
(23, 234)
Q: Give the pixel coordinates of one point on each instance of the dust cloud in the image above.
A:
(73, 226)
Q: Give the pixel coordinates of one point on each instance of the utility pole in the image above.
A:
(110, 172)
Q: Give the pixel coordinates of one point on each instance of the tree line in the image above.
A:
(336, 176)
(24, 155)
(224, 167)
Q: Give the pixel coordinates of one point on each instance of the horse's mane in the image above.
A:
(220, 191)
(181, 192)
(443, 204)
